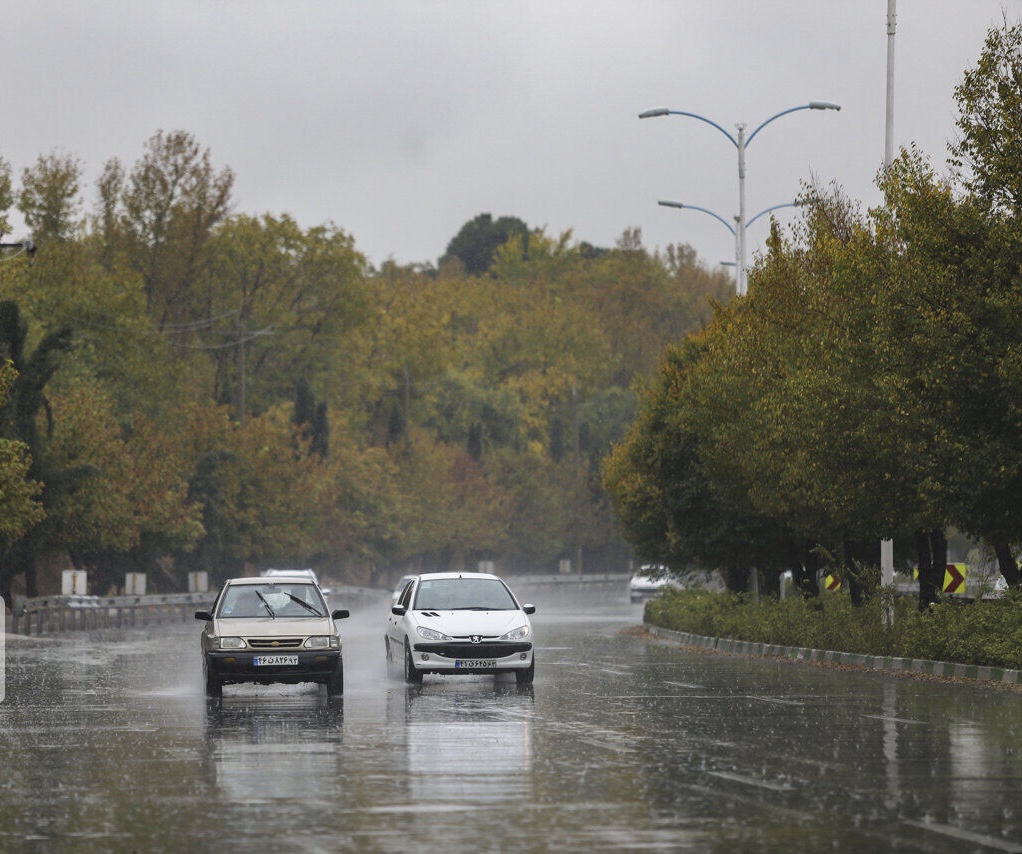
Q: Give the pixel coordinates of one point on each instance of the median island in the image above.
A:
(984, 634)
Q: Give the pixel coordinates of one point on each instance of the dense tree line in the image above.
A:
(868, 387)
(190, 388)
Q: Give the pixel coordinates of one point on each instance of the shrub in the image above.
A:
(987, 632)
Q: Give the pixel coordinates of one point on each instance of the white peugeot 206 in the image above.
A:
(460, 623)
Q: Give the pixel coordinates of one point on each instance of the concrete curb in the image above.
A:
(870, 662)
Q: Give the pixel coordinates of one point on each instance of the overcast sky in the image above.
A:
(400, 120)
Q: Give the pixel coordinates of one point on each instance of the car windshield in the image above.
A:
(296, 599)
(463, 594)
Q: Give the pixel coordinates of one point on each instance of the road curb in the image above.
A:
(870, 662)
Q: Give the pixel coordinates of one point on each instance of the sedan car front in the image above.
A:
(267, 630)
(460, 623)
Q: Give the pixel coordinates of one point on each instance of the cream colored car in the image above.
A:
(271, 629)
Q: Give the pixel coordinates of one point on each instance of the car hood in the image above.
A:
(270, 627)
(465, 623)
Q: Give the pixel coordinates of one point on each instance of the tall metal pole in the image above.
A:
(740, 285)
(892, 17)
(887, 546)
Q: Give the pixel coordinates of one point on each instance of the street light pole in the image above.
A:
(734, 229)
(740, 142)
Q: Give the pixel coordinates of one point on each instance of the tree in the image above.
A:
(162, 215)
(20, 508)
(19, 415)
(986, 157)
(131, 508)
(672, 510)
(277, 305)
(6, 196)
(50, 198)
(479, 239)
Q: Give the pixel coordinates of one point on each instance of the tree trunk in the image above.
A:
(770, 583)
(736, 580)
(1007, 564)
(931, 548)
(803, 573)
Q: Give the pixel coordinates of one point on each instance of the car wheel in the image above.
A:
(526, 674)
(214, 687)
(412, 676)
(335, 684)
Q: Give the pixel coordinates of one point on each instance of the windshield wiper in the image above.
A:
(304, 604)
(266, 605)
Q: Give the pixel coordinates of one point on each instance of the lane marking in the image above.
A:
(966, 836)
(752, 781)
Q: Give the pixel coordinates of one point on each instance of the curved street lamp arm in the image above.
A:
(773, 208)
(664, 111)
(812, 105)
(717, 217)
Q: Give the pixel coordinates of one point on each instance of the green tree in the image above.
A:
(20, 508)
(477, 242)
(19, 420)
(278, 305)
(50, 198)
(161, 215)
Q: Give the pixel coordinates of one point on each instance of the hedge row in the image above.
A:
(985, 633)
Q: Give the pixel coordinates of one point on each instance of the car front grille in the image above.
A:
(274, 643)
(473, 650)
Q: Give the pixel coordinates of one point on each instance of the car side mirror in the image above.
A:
(340, 614)
(529, 609)
(398, 610)
(203, 615)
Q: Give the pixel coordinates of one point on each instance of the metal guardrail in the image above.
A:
(52, 614)
(55, 614)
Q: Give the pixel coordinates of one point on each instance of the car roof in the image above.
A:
(436, 575)
(274, 579)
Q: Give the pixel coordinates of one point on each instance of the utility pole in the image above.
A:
(887, 546)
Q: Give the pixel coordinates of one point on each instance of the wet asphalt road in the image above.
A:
(107, 744)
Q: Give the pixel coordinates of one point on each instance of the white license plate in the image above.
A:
(275, 660)
(474, 662)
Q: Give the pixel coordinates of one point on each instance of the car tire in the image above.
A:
(214, 687)
(335, 683)
(412, 676)
(526, 674)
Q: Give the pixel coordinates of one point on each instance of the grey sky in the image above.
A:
(399, 120)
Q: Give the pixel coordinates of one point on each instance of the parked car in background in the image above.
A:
(460, 623)
(307, 573)
(271, 629)
(399, 588)
(647, 583)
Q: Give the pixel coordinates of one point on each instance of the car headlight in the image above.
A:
(323, 642)
(431, 634)
(231, 643)
(521, 633)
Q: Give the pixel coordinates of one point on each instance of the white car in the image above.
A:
(644, 585)
(271, 629)
(460, 623)
(307, 573)
(399, 589)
